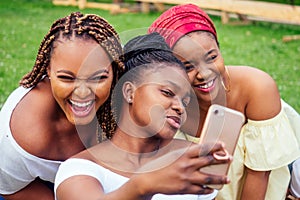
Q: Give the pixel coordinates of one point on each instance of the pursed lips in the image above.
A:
(174, 121)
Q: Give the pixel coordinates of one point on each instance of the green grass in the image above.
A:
(24, 23)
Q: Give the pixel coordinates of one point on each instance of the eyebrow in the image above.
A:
(71, 73)
(210, 51)
(177, 86)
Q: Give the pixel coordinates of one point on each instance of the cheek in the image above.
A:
(192, 75)
(149, 117)
(140, 113)
(60, 92)
(220, 66)
(102, 93)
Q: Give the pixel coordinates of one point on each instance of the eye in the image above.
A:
(212, 57)
(167, 93)
(66, 78)
(188, 66)
(96, 79)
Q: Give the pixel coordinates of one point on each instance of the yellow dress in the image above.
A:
(262, 146)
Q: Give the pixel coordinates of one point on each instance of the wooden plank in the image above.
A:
(105, 6)
(65, 2)
(289, 38)
(112, 7)
(268, 11)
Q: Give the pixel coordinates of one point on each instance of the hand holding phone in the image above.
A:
(221, 124)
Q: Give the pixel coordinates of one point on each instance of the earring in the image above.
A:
(227, 89)
(129, 100)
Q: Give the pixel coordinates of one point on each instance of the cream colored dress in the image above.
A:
(262, 146)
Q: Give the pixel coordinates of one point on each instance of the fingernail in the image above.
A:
(227, 180)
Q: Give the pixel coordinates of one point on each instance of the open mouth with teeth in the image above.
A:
(206, 87)
(81, 109)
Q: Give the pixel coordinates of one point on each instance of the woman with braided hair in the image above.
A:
(61, 107)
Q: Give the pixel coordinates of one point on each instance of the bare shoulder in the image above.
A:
(260, 89)
(31, 118)
(257, 77)
(90, 153)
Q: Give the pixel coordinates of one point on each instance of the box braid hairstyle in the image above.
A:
(86, 27)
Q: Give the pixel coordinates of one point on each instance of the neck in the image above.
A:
(133, 144)
(88, 133)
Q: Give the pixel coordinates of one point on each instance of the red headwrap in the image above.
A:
(181, 20)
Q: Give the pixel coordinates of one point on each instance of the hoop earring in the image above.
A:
(227, 89)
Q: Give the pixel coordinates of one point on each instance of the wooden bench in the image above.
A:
(266, 11)
(112, 7)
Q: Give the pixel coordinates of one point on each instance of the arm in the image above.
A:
(255, 185)
(180, 177)
(36, 190)
(263, 103)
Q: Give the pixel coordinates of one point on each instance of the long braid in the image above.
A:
(86, 27)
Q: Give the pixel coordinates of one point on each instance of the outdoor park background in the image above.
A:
(259, 44)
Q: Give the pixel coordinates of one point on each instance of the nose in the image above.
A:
(81, 89)
(178, 106)
(202, 73)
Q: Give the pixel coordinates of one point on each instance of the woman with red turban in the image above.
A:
(267, 142)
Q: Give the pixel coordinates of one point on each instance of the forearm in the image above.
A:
(255, 185)
(136, 188)
(89, 188)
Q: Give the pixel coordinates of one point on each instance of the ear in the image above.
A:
(48, 72)
(128, 91)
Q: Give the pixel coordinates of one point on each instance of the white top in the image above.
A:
(18, 168)
(109, 180)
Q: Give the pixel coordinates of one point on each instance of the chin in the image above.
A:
(209, 97)
(79, 121)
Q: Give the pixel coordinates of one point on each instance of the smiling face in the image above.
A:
(159, 101)
(81, 76)
(204, 63)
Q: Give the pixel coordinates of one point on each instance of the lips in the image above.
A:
(81, 109)
(174, 121)
(206, 87)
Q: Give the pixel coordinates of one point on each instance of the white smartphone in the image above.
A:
(221, 124)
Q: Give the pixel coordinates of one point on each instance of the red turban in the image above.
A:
(181, 20)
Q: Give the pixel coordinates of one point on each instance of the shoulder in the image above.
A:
(91, 154)
(251, 75)
(259, 90)
(31, 122)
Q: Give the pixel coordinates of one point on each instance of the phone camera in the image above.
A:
(219, 112)
(216, 111)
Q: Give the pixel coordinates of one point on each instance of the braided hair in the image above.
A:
(86, 27)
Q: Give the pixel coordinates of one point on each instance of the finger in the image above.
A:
(196, 150)
(221, 155)
(198, 189)
(212, 160)
(200, 178)
(211, 148)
